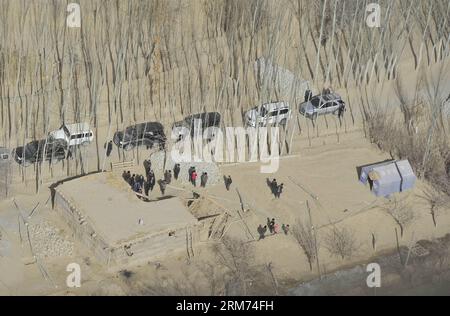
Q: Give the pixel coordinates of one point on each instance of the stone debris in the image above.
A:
(47, 241)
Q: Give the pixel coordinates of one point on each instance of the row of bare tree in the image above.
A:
(159, 60)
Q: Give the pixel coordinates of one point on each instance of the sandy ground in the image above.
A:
(342, 201)
(322, 159)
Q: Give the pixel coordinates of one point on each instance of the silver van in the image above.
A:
(322, 104)
(274, 113)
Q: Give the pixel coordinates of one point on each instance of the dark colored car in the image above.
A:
(147, 134)
(208, 119)
(38, 151)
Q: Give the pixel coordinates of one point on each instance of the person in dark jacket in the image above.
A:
(228, 183)
(151, 180)
(274, 187)
(176, 171)
(146, 187)
(162, 186)
(279, 190)
(147, 166)
(132, 180)
(168, 176)
(261, 232)
(203, 179)
(191, 169)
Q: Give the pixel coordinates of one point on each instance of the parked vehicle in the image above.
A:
(148, 134)
(38, 151)
(275, 113)
(72, 135)
(208, 119)
(322, 104)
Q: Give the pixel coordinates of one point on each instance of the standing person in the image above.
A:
(279, 190)
(204, 179)
(260, 232)
(151, 180)
(137, 187)
(190, 170)
(162, 186)
(146, 187)
(147, 166)
(341, 110)
(168, 176)
(132, 180)
(275, 228)
(228, 183)
(176, 171)
(194, 178)
(272, 226)
(109, 148)
(285, 228)
(274, 187)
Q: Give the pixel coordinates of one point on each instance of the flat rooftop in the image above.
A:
(113, 211)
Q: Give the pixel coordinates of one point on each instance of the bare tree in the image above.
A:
(438, 202)
(401, 212)
(341, 242)
(303, 233)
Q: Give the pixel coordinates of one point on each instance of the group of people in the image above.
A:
(140, 184)
(193, 175)
(276, 188)
(273, 228)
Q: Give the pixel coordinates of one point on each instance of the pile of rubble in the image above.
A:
(47, 241)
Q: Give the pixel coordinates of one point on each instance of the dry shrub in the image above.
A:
(438, 201)
(393, 137)
(401, 213)
(341, 242)
(304, 235)
(233, 271)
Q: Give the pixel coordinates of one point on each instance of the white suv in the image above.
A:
(73, 134)
(276, 113)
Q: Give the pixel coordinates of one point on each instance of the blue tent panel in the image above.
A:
(407, 175)
(387, 180)
(365, 170)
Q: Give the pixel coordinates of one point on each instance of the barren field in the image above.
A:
(159, 61)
